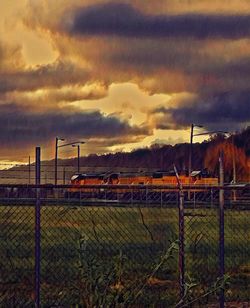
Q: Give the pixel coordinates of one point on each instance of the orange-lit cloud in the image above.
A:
(83, 69)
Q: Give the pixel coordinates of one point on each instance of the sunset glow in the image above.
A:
(82, 69)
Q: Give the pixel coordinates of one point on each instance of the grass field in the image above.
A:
(108, 254)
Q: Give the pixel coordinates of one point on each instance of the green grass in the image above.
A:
(82, 247)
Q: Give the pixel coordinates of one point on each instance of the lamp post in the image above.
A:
(56, 152)
(29, 170)
(56, 156)
(234, 161)
(78, 154)
(191, 141)
(234, 167)
(191, 147)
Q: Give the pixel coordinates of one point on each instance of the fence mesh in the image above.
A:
(16, 255)
(202, 244)
(106, 251)
(107, 245)
(237, 251)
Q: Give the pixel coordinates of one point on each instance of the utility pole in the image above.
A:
(234, 161)
(56, 154)
(191, 150)
(190, 158)
(78, 144)
(234, 168)
(192, 135)
(78, 158)
(64, 145)
(29, 170)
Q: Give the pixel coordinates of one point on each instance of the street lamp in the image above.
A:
(234, 160)
(191, 147)
(234, 167)
(56, 152)
(56, 156)
(78, 154)
(191, 142)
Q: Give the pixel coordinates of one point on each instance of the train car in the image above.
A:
(169, 179)
(202, 177)
(198, 178)
(142, 178)
(80, 180)
(131, 178)
(87, 179)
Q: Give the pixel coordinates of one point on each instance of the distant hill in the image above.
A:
(162, 157)
(155, 157)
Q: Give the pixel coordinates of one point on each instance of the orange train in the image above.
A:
(83, 184)
(143, 178)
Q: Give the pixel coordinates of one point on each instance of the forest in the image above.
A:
(162, 157)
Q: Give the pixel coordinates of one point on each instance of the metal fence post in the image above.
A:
(181, 236)
(131, 199)
(37, 229)
(212, 198)
(221, 230)
(181, 244)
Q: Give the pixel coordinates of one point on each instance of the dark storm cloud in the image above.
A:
(222, 110)
(124, 20)
(20, 127)
(220, 67)
(174, 55)
(56, 74)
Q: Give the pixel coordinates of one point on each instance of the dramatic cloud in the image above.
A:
(50, 98)
(52, 75)
(157, 65)
(147, 68)
(224, 110)
(10, 57)
(20, 127)
(124, 20)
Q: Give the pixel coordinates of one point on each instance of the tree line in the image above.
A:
(162, 157)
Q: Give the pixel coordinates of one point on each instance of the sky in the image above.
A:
(120, 74)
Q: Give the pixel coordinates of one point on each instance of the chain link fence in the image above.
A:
(17, 246)
(117, 246)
